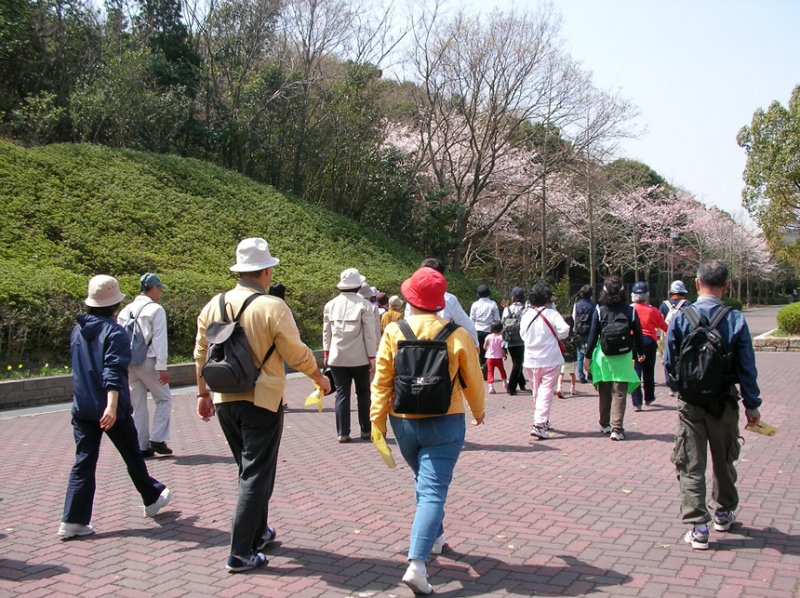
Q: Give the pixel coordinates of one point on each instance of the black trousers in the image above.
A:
(647, 373)
(254, 435)
(482, 350)
(344, 377)
(82, 485)
(516, 378)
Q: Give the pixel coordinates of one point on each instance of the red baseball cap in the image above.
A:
(425, 289)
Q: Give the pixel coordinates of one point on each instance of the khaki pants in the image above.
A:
(697, 432)
(612, 404)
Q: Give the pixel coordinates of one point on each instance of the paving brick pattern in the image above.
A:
(575, 515)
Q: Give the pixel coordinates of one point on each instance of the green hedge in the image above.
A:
(789, 319)
(68, 212)
(734, 303)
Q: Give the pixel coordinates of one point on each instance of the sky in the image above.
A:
(697, 71)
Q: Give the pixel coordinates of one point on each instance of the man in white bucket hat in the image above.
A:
(350, 331)
(252, 421)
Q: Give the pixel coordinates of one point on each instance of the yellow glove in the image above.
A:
(380, 443)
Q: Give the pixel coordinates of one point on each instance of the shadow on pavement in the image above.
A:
(510, 448)
(174, 528)
(203, 459)
(756, 539)
(495, 575)
(14, 570)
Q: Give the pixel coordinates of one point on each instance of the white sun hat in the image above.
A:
(350, 279)
(253, 255)
(103, 291)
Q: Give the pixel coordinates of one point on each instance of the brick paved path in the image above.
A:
(575, 515)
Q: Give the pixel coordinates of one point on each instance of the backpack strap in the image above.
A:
(406, 330)
(528, 327)
(691, 316)
(247, 302)
(446, 331)
(719, 316)
(135, 319)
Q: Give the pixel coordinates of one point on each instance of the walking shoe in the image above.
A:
(605, 429)
(723, 520)
(267, 538)
(243, 563)
(438, 545)
(637, 407)
(343, 439)
(159, 447)
(505, 384)
(697, 537)
(650, 402)
(582, 380)
(572, 390)
(417, 581)
(161, 502)
(617, 436)
(147, 453)
(559, 394)
(549, 426)
(492, 390)
(70, 530)
(366, 436)
(541, 432)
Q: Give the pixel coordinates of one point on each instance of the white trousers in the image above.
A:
(141, 378)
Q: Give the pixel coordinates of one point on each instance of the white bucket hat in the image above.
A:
(253, 255)
(350, 279)
(103, 291)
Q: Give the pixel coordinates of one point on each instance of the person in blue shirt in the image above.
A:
(101, 403)
(715, 426)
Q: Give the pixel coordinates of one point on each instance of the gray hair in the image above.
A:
(712, 273)
(640, 297)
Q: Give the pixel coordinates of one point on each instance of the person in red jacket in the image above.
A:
(651, 320)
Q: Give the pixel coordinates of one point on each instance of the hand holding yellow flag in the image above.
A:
(315, 397)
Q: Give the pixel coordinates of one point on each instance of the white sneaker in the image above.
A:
(541, 432)
(492, 390)
(418, 582)
(161, 502)
(617, 436)
(438, 545)
(70, 530)
(605, 429)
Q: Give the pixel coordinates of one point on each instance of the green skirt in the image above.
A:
(618, 368)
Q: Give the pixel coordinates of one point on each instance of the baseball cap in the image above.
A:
(151, 280)
(640, 288)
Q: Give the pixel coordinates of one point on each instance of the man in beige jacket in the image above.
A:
(349, 344)
(252, 421)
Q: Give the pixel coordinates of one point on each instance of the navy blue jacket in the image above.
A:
(636, 328)
(101, 353)
(665, 310)
(737, 335)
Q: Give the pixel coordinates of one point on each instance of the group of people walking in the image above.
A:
(425, 365)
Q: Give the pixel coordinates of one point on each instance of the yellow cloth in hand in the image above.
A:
(315, 397)
(762, 428)
(380, 443)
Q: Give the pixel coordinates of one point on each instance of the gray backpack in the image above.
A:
(229, 366)
(139, 347)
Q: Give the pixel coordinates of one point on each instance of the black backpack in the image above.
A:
(229, 366)
(615, 332)
(702, 372)
(583, 319)
(139, 346)
(422, 384)
(511, 326)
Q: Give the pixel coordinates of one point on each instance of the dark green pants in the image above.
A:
(699, 431)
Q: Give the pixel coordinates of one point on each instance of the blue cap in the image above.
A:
(150, 280)
(640, 288)
(517, 292)
(678, 288)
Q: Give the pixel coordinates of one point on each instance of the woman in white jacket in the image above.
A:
(541, 328)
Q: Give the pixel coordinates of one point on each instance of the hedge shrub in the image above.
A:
(734, 303)
(70, 211)
(789, 319)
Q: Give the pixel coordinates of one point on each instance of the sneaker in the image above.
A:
(244, 563)
(159, 447)
(147, 453)
(418, 582)
(343, 439)
(438, 545)
(492, 390)
(637, 407)
(549, 426)
(723, 520)
(697, 537)
(366, 436)
(650, 402)
(267, 538)
(505, 384)
(605, 429)
(572, 390)
(559, 394)
(582, 380)
(617, 436)
(161, 502)
(70, 530)
(541, 432)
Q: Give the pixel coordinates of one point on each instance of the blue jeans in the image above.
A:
(431, 447)
(579, 365)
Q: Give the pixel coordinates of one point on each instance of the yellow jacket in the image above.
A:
(463, 358)
(266, 320)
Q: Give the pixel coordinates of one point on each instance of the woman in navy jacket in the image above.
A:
(101, 402)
